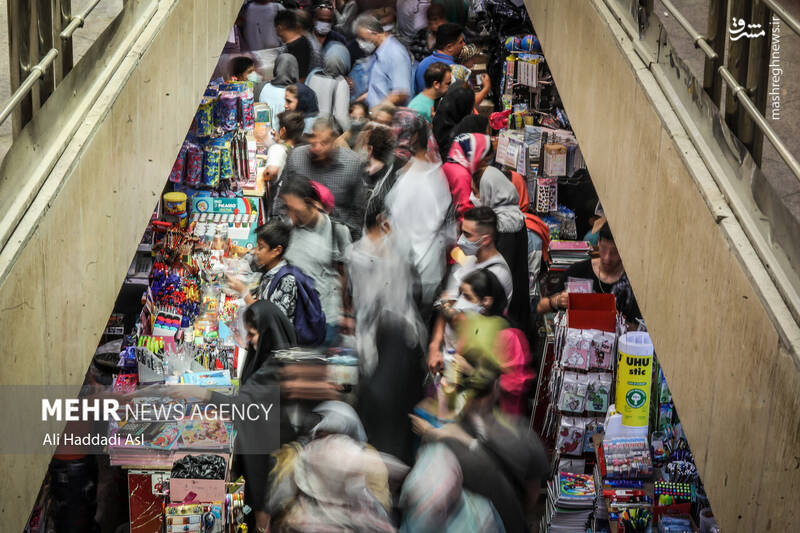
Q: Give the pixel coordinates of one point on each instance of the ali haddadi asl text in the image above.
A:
(72, 439)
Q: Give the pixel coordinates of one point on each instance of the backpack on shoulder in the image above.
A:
(309, 318)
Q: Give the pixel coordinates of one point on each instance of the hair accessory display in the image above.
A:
(570, 436)
(573, 392)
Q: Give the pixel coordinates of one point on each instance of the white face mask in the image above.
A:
(465, 306)
(469, 247)
(389, 28)
(255, 77)
(322, 28)
(366, 46)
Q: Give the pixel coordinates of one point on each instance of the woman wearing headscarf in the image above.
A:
(330, 85)
(497, 192)
(469, 156)
(433, 498)
(419, 206)
(455, 105)
(500, 459)
(268, 329)
(303, 100)
(407, 127)
(285, 72)
(483, 293)
(335, 482)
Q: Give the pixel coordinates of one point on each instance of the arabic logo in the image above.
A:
(738, 26)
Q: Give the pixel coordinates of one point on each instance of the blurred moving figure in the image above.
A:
(335, 482)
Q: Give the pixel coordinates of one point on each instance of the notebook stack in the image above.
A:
(570, 502)
(567, 253)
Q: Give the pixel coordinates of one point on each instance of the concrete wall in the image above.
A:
(63, 267)
(736, 388)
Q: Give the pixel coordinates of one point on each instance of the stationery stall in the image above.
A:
(621, 461)
(179, 452)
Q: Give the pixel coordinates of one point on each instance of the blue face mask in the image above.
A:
(469, 247)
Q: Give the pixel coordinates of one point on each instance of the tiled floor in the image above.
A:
(788, 127)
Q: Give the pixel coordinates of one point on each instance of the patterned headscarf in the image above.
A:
(468, 52)
(406, 124)
(469, 149)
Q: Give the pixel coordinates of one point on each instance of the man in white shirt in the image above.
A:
(477, 241)
(259, 24)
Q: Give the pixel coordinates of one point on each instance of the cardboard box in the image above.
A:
(592, 311)
(205, 490)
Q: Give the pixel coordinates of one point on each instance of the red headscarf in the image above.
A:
(469, 149)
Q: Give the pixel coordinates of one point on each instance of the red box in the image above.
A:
(592, 311)
(677, 509)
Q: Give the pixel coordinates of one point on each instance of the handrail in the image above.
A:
(697, 39)
(739, 92)
(783, 15)
(78, 20)
(38, 70)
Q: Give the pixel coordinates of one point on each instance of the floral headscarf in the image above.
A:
(406, 124)
(469, 149)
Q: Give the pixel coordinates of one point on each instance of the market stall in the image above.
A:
(620, 459)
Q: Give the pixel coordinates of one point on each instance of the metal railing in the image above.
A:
(36, 38)
(739, 92)
(722, 113)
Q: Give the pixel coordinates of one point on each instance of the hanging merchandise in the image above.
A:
(211, 166)
(598, 391)
(573, 392)
(227, 110)
(179, 167)
(194, 164)
(555, 160)
(204, 118)
(547, 196)
(570, 435)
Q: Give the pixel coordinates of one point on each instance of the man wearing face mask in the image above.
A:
(390, 75)
(324, 33)
(244, 69)
(477, 241)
